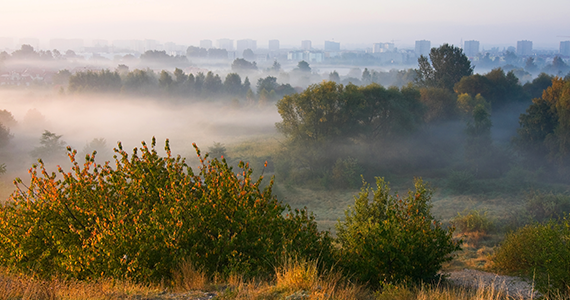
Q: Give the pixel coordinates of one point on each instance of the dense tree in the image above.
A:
(90, 81)
(448, 65)
(498, 88)
(535, 88)
(196, 52)
(5, 137)
(328, 111)
(333, 76)
(248, 54)
(25, 52)
(7, 119)
(214, 53)
(242, 65)
(51, 147)
(213, 85)
(440, 104)
(142, 82)
(545, 128)
(233, 86)
(61, 77)
(303, 66)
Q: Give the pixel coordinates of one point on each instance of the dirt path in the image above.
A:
(509, 285)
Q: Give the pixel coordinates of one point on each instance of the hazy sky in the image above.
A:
(492, 22)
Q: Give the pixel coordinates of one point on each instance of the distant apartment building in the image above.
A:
(306, 45)
(524, 48)
(226, 44)
(207, 44)
(423, 47)
(308, 56)
(274, 45)
(471, 48)
(66, 44)
(382, 47)
(245, 44)
(332, 46)
(565, 48)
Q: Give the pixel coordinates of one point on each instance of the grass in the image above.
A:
(294, 279)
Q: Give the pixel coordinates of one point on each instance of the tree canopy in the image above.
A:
(445, 67)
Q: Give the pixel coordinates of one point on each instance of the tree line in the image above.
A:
(443, 120)
(176, 84)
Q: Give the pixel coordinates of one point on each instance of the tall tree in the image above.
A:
(448, 65)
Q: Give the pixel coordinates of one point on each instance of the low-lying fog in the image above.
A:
(81, 119)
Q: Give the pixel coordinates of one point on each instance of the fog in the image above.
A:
(80, 119)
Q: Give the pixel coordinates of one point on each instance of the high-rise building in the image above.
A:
(274, 45)
(565, 48)
(382, 47)
(226, 44)
(332, 46)
(423, 47)
(471, 48)
(246, 44)
(207, 44)
(524, 48)
(306, 45)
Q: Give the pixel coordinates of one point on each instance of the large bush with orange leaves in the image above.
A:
(140, 218)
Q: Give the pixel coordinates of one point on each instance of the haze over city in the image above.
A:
(352, 23)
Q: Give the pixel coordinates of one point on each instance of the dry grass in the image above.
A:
(14, 286)
(189, 278)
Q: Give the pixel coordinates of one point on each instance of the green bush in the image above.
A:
(539, 251)
(473, 221)
(143, 217)
(545, 206)
(346, 173)
(392, 238)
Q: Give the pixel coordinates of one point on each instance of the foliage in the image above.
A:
(329, 110)
(51, 147)
(146, 215)
(89, 81)
(448, 65)
(217, 150)
(546, 206)
(473, 221)
(440, 104)
(392, 238)
(242, 65)
(496, 87)
(540, 252)
(346, 173)
(544, 131)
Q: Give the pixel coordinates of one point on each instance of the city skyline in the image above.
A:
(494, 24)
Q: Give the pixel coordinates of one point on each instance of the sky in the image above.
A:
(352, 23)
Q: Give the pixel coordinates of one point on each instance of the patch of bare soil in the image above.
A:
(508, 285)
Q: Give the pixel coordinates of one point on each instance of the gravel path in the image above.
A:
(509, 285)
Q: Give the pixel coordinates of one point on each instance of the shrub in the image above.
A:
(473, 221)
(538, 251)
(544, 206)
(346, 173)
(148, 214)
(393, 239)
